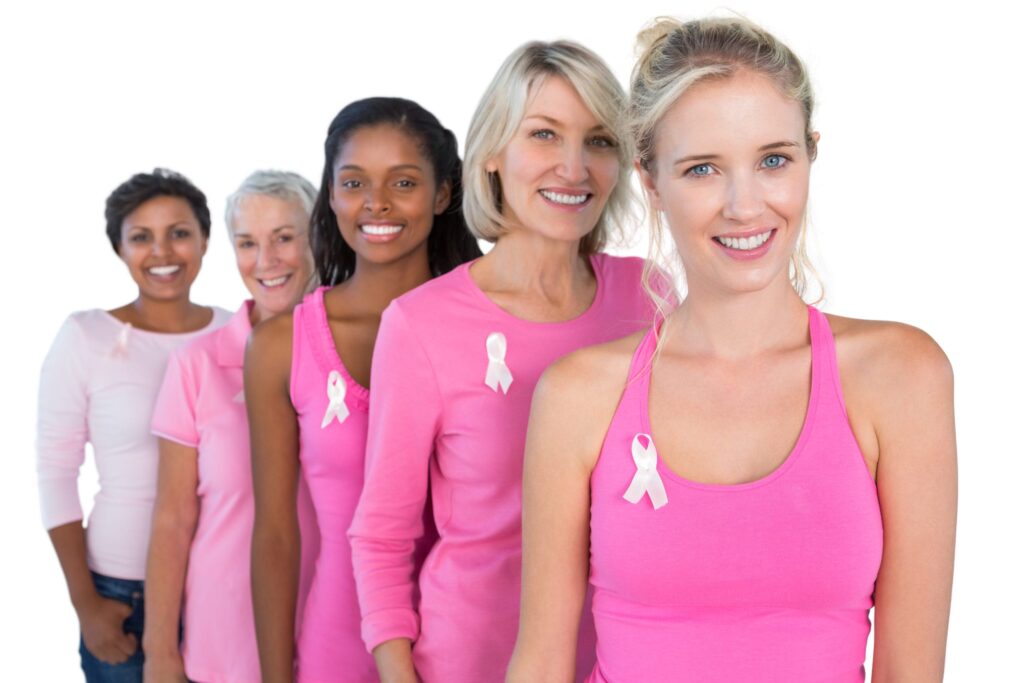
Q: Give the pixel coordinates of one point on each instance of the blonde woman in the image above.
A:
(724, 479)
(456, 361)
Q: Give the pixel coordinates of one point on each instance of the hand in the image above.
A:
(164, 669)
(102, 624)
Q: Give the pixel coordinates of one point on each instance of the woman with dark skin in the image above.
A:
(387, 219)
(98, 385)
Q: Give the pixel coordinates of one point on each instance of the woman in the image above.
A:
(387, 219)
(98, 386)
(457, 359)
(202, 524)
(731, 491)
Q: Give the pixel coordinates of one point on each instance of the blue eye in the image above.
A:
(774, 161)
(543, 134)
(700, 170)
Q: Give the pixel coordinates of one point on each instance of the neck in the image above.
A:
(737, 326)
(374, 285)
(175, 315)
(525, 262)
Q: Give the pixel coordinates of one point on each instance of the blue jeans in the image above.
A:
(130, 593)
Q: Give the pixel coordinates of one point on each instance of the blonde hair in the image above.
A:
(674, 56)
(502, 108)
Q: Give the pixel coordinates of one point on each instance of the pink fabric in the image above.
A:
(329, 646)
(98, 385)
(765, 581)
(201, 405)
(434, 420)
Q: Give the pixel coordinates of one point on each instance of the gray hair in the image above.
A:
(502, 108)
(280, 184)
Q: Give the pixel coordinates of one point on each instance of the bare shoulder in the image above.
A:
(270, 344)
(578, 394)
(893, 363)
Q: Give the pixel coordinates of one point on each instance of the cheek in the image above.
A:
(605, 171)
(246, 261)
(690, 207)
(345, 208)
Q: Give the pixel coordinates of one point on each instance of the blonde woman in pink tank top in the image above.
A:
(388, 218)
(724, 478)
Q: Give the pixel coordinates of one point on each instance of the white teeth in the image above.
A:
(275, 282)
(560, 198)
(164, 270)
(381, 229)
(745, 243)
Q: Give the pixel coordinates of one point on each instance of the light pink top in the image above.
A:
(331, 409)
(98, 385)
(767, 581)
(202, 405)
(435, 420)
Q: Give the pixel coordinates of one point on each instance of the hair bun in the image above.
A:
(656, 31)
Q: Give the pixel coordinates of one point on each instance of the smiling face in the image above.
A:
(163, 246)
(731, 172)
(271, 240)
(384, 194)
(560, 166)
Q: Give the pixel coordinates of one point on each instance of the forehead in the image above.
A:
(380, 146)
(719, 116)
(158, 212)
(260, 212)
(553, 97)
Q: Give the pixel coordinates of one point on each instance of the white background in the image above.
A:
(916, 204)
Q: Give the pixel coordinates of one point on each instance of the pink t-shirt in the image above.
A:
(202, 405)
(331, 409)
(98, 385)
(453, 377)
(767, 581)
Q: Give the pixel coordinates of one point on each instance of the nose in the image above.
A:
(744, 199)
(376, 200)
(573, 164)
(267, 257)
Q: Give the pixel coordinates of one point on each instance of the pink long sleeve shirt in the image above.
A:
(97, 386)
(453, 377)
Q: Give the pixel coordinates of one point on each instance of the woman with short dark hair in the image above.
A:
(98, 385)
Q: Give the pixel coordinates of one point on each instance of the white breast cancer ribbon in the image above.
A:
(121, 346)
(498, 374)
(336, 407)
(240, 396)
(646, 480)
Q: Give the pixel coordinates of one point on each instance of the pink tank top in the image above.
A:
(764, 581)
(332, 414)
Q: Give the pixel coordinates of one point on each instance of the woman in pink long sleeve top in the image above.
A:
(457, 359)
(198, 566)
(388, 218)
(724, 479)
(98, 386)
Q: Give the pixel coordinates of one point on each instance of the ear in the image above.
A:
(442, 198)
(206, 243)
(491, 166)
(813, 151)
(647, 182)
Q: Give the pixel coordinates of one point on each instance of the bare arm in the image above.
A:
(100, 619)
(394, 661)
(572, 408)
(273, 428)
(174, 523)
(911, 408)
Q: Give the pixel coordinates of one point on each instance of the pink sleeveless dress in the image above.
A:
(332, 414)
(766, 581)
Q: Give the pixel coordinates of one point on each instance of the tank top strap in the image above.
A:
(824, 366)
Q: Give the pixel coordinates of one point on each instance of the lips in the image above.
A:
(163, 271)
(380, 232)
(271, 283)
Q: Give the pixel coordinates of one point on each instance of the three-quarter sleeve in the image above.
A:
(405, 415)
(62, 427)
(174, 415)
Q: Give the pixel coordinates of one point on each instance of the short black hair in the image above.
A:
(141, 187)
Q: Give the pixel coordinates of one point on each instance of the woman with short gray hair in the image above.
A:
(199, 550)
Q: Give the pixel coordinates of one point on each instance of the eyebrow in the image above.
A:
(287, 226)
(556, 122)
(710, 157)
(172, 225)
(355, 167)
